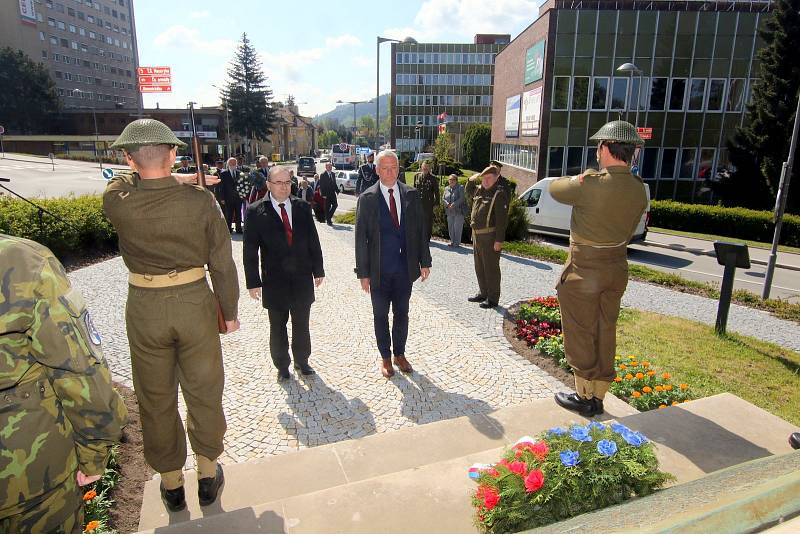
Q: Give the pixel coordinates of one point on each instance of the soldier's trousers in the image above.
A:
(487, 266)
(59, 511)
(590, 290)
(174, 339)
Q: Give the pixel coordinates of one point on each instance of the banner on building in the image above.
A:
(512, 116)
(534, 62)
(27, 11)
(531, 112)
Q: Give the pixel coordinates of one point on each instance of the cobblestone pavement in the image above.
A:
(463, 364)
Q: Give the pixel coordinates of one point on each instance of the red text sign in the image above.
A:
(155, 88)
(154, 71)
(645, 133)
(155, 80)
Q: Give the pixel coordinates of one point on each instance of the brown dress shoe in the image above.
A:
(402, 364)
(386, 368)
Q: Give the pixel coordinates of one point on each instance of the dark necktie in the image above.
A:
(286, 225)
(393, 209)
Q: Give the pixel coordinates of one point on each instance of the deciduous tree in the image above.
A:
(28, 98)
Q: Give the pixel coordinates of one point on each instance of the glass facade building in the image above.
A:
(695, 69)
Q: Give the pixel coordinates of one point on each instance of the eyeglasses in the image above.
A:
(282, 184)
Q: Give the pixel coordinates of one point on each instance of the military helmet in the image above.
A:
(618, 132)
(143, 132)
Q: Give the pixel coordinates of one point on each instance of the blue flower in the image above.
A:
(636, 439)
(619, 428)
(557, 431)
(606, 447)
(570, 458)
(580, 433)
(597, 426)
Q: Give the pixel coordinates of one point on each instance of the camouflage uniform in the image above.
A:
(58, 411)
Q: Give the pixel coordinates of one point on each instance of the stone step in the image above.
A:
(416, 480)
(326, 466)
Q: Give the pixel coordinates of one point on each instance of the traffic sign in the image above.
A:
(155, 88)
(108, 174)
(146, 79)
(154, 71)
(645, 133)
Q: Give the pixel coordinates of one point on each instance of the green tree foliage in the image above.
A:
(328, 138)
(476, 146)
(443, 147)
(759, 149)
(247, 95)
(28, 98)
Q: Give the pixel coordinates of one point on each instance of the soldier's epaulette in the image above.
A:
(123, 177)
(198, 187)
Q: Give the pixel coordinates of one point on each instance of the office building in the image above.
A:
(431, 79)
(691, 68)
(89, 47)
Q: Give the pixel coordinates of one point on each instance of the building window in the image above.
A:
(697, 94)
(59, 75)
(44, 54)
(735, 95)
(638, 90)
(555, 160)
(668, 157)
(677, 94)
(574, 160)
(64, 43)
(72, 28)
(716, 93)
(599, 93)
(53, 40)
(658, 93)
(60, 25)
(686, 170)
(706, 165)
(517, 155)
(41, 36)
(648, 163)
(51, 22)
(580, 92)
(619, 93)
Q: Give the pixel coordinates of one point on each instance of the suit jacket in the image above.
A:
(309, 194)
(366, 178)
(286, 273)
(368, 233)
(327, 184)
(226, 189)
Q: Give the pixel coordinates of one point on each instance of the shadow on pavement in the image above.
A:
(656, 258)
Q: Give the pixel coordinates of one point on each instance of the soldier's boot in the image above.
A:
(794, 440)
(209, 487)
(575, 403)
(172, 492)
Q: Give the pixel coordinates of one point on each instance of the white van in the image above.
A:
(550, 217)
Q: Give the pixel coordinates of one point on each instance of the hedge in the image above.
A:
(87, 230)
(738, 223)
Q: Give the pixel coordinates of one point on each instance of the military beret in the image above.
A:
(144, 132)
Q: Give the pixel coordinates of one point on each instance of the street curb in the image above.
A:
(711, 254)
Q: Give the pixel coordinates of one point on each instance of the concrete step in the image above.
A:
(327, 466)
(416, 480)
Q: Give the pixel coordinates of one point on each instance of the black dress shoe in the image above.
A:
(576, 403)
(486, 304)
(284, 375)
(477, 298)
(208, 488)
(794, 440)
(174, 499)
(305, 369)
(598, 406)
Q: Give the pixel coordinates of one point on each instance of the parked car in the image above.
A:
(325, 158)
(346, 181)
(306, 166)
(549, 217)
(422, 156)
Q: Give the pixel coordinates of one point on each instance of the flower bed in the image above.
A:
(97, 500)
(538, 322)
(564, 473)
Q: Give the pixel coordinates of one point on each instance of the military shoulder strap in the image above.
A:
(491, 206)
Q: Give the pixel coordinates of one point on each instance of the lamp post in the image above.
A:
(96, 137)
(227, 123)
(417, 130)
(355, 103)
(408, 40)
(633, 69)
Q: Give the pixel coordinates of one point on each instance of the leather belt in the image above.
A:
(172, 278)
(481, 231)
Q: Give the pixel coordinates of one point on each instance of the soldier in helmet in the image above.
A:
(606, 207)
(60, 416)
(168, 232)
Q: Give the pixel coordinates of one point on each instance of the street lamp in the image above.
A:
(417, 130)
(227, 124)
(354, 102)
(633, 69)
(408, 40)
(96, 138)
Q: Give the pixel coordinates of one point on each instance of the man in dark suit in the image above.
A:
(282, 229)
(367, 175)
(391, 253)
(228, 197)
(263, 166)
(327, 188)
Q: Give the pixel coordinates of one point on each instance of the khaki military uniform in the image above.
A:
(168, 232)
(58, 411)
(428, 187)
(489, 219)
(606, 208)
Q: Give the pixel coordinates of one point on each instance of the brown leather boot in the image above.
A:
(402, 364)
(386, 368)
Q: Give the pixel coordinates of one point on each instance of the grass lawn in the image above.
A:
(759, 372)
(710, 237)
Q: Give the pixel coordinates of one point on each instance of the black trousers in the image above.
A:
(279, 337)
(330, 207)
(233, 212)
(394, 290)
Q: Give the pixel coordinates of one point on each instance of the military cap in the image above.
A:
(491, 169)
(496, 163)
(618, 132)
(184, 158)
(143, 132)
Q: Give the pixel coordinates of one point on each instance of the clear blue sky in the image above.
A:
(318, 51)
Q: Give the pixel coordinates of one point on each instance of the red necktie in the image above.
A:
(286, 225)
(393, 209)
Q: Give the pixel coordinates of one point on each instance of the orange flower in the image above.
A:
(91, 525)
(666, 376)
(636, 394)
(639, 375)
(622, 367)
(645, 364)
(667, 387)
(651, 373)
(89, 495)
(634, 363)
(659, 388)
(629, 377)
(647, 389)
(684, 387)
(662, 406)
(674, 403)
(617, 379)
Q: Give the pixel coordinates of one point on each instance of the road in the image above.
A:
(32, 176)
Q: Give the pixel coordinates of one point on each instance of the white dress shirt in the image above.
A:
(396, 195)
(286, 204)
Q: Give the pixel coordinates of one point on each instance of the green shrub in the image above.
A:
(81, 228)
(739, 223)
(476, 145)
(346, 217)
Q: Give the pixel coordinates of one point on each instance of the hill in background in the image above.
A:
(344, 112)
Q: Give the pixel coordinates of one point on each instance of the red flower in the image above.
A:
(534, 481)
(519, 468)
(540, 450)
(489, 495)
(503, 462)
(492, 472)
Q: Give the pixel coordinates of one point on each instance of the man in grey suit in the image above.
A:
(391, 254)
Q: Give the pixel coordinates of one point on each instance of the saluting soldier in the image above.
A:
(606, 208)
(168, 232)
(60, 416)
(428, 186)
(509, 186)
(489, 218)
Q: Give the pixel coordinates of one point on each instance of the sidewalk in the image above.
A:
(758, 256)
